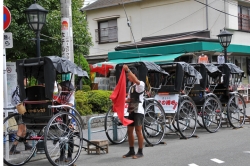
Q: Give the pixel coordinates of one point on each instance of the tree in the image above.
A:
(25, 47)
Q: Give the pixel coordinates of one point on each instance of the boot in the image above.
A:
(13, 150)
(70, 149)
(62, 154)
(131, 153)
(27, 146)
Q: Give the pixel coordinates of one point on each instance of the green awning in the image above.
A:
(158, 59)
(172, 49)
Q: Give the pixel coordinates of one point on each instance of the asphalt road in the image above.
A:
(228, 147)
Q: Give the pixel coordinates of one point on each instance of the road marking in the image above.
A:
(193, 164)
(217, 161)
(246, 151)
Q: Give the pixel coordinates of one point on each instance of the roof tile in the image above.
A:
(106, 3)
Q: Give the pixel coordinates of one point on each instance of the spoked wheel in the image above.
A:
(63, 139)
(187, 118)
(236, 108)
(212, 114)
(114, 129)
(18, 155)
(153, 127)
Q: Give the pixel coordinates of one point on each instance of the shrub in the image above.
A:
(82, 103)
(95, 101)
(86, 88)
(100, 101)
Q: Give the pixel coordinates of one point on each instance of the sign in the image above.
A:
(11, 80)
(168, 102)
(7, 40)
(65, 37)
(6, 18)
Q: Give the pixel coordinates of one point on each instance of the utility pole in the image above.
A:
(67, 33)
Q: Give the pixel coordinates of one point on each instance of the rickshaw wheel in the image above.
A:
(9, 136)
(153, 127)
(235, 109)
(211, 114)
(114, 129)
(187, 118)
(62, 138)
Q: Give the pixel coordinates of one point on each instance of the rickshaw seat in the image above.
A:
(222, 93)
(37, 105)
(35, 93)
(169, 89)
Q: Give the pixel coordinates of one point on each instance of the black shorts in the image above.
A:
(137, 118)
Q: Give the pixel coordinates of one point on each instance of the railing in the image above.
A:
(89, 126)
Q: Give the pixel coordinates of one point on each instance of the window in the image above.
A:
(244, 18)
(107, 31)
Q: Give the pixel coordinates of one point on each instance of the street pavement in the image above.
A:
(227, 147)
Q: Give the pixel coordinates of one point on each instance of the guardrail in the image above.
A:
(89, 126)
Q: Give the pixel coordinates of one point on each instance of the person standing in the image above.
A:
(221, 59)
(203, 59)
(136, 111)
(66, 90)
(21, 131)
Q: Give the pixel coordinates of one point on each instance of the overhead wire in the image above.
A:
(180, 20)
(129, 25)
(173, 24)
(164, 27)
(219, 10)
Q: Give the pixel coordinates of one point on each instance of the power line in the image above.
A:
(166, 26)
(175, 23)
(219, 10)
(179, 20)
(129, 25)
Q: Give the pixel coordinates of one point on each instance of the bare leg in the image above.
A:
(138, 130)
(131, 139)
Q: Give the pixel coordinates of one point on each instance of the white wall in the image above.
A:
(170, 17)
(163, 17)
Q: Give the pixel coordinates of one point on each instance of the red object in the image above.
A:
(6, 18)
(104, 69)
(36, 138)
(118, 98)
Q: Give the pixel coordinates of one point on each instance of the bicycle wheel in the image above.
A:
(114, 129)
(63, 139)
(211, 114)
(187, 118)
(20, 156)
(236, 108)
(153, 127)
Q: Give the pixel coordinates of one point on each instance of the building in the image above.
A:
(166, 30)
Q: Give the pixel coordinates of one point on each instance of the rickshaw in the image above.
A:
(231, 99)
(53, 127)
(208, 104)
(179, 108)
(154, 116)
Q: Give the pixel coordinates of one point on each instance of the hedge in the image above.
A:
(92, 102)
